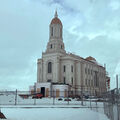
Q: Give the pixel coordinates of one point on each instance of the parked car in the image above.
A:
(86, 96)
(24, 96)
(60, 99)
(37, 96)
(100, 100)
(79, 99)
(67, 99)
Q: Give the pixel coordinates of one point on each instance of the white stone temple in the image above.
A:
(59, 71)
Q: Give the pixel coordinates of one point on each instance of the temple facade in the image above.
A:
(58, 70)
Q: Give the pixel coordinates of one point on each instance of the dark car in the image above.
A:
(86, 96)
(67, 99)
(60, 99)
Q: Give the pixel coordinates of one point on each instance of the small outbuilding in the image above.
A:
(49, 89)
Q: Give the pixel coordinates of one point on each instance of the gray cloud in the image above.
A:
(91, 27)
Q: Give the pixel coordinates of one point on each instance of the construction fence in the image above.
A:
(47, 98)
(112, 104)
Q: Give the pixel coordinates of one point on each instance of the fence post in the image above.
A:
(90, 99)
(16, 97)
(117, 96)
(34, 101)
(53, 98)
(68, 97)
(96, 106)
(81, 95)
(34, 94)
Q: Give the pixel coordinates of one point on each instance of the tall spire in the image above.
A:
(56, 15)
(55, 43)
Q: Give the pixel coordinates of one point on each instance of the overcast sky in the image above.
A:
(91, 28)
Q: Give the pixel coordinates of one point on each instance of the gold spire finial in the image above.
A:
(56, 15)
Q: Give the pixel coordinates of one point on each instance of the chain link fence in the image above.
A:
(112, 104)
(49, 98)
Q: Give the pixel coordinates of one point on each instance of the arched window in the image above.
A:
(49, 67)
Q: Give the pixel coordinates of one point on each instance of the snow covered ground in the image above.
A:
(45, 110)
(52, 114)
(9, 99)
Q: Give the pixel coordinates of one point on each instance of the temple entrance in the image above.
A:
(43, 91)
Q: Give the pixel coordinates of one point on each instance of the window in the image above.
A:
(49, 67)
(91, 72)
(72, 80)
(71, 68)
(95, 79)
(89, 82)
(51, 31)
(86, 81)
(64, 68)
(86, 70)
(61, 46)
(51, 46)
(64, 80)
(49, 80)
(60, 32)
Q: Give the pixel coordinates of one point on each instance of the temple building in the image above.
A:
(61, 72)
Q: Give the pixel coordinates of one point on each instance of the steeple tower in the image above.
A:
(55, 43)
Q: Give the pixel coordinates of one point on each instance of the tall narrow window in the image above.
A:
(64, 68)
(64, 80)
(72, 80)
(86, 81)
(71, 68)
(89, 82)
(49, 67)
(51, 31)
(60, 32)
(86, 70)
(51, 46)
